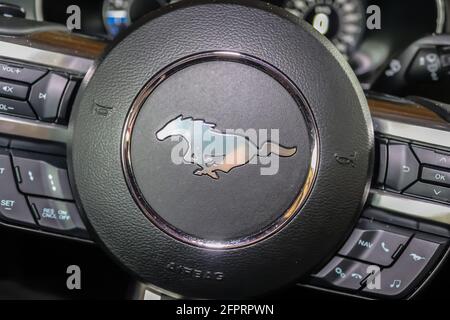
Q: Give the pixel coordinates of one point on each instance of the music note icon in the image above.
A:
(396, 284)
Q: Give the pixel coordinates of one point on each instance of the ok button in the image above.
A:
(374, 246)
(436, 176)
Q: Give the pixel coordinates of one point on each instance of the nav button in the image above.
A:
(374, 246)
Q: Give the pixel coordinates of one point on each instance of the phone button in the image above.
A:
(344, 273)
(374, 246)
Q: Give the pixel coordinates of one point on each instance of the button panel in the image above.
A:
(390, 255)
(395, 270)
(30, 198)
(416, 171)
(36, 93)
(412, 263)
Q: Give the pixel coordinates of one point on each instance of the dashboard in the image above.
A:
(398, 24)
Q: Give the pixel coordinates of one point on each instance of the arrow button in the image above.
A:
(432, 157)
(429, 191)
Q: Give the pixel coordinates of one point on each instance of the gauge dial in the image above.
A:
(341, 21)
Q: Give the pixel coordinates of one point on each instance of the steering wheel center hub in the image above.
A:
(235, 146)
(200, 132)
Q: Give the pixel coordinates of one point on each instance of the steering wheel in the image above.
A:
(226, 149)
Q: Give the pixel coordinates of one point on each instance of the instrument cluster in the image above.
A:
(367, 32)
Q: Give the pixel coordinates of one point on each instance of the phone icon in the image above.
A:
(356, 276)
(383, 246)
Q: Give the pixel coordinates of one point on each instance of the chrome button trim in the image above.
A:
(439, 137)
(33, 129)
(47, 58)
(409, 206)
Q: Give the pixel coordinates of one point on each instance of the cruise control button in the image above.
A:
(58, 216)
(403, 168)
(45, 176)
(373, 246)
(46, 94)
(432, 157)
(13, 205)
(13, 90)
(410, 266)
(20, 73)
(16, 108)
(344, 273)
(429, 191)
(436, 176)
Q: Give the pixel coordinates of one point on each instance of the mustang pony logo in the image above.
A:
(213, 150)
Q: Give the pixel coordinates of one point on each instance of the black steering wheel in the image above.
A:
(226, 149)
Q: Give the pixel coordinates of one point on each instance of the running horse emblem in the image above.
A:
(213, 150)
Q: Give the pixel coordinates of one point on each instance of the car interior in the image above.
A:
(224, 149)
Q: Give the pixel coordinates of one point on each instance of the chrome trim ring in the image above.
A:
(154, 83)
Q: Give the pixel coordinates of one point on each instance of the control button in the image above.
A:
(20, 73)
(344, 273)
(44, 177)
(58, 216)
(436, 176)
(432, 157)
(46, 94)
(382, 161)
(373, 246)
(403, 168)
(16, 108)
(13, 205)
(411, 264)
(429, 191)
(426, 66)
(13, 90)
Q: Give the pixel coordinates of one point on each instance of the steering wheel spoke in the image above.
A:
(404, 229)
(39, 79)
